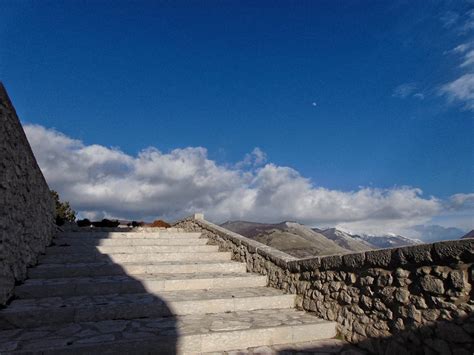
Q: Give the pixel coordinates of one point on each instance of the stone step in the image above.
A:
(126, 235)
(31, 313)
(46, 271)
(171, 335)
(330, 346)
(129, 241)
(138, 249)
(89, 286)
(142, 257)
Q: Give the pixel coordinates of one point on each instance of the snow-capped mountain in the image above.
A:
(386, 240)
(345, 239)
(302, 241)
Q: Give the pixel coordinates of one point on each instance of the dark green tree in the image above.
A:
(64, 212)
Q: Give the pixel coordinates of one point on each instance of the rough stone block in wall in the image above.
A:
(26, 206)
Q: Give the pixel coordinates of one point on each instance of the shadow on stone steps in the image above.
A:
(443, 337)
(100, 327)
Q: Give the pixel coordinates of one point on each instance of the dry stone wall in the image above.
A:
(413, 300)
(26, 205)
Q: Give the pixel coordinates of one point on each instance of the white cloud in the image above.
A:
(461, 90)
(436, 233)
(468, 59)
(449, 19)
(462, 201)
(256, 158)
(461, 48)
(405, 90)
(469, 22)
(101, 181)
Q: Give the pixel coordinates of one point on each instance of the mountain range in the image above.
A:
(468, 235)
(302, 241)
(292, 238)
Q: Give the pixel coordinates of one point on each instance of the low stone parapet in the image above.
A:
(416, 299)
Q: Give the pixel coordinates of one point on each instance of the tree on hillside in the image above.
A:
(64, 212)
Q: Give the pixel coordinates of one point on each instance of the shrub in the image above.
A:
(159, 223)
(106, 223)
(64, 212)
(84, 223)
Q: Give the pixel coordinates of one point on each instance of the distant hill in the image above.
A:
(302, 241)
(345, 240)
(468, 235)
(292, 238)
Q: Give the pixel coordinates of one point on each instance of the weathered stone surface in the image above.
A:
(26, 207)
(401, 293)
(208, 332)
(308, 264)
(354, 261)
(458, 279)
(432, 285)
(399, 272)
(455, 250)
(417, 254)
(381, 258)
(331, 262)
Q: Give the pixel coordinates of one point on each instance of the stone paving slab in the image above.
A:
(37, 288)
(148, 257)
(108, 268)
(130, 249)
(29, 313)
(190, 334)
(125, 235)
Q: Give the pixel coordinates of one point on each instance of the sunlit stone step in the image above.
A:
(142, 257)
(67, 287)
(46, 271)
(56, 310)
(125, 235)
(173, 335)
(134, 249)
(129, 241)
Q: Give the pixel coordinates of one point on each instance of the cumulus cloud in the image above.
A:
(106, 182)
(461, 202)
(256, 158)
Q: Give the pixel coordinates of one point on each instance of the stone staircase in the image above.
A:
(163, 291)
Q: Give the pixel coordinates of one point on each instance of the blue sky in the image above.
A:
(349, 94)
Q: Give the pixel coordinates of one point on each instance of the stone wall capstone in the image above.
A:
(411, 300)
(26, 206)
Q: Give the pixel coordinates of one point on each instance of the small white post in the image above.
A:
(199, 216)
